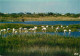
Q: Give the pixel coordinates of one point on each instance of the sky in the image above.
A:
(40, 6)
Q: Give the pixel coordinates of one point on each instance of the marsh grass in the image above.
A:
(39, 44)
(45, 18)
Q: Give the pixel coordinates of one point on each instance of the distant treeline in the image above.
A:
(15, 15)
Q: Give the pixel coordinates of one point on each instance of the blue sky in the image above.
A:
(59, 6)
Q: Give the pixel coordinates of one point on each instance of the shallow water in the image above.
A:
(72, 34)
(47, 22)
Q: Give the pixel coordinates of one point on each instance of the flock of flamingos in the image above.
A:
(34, 29)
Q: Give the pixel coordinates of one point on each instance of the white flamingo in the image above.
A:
(25, 30)
(57, 29)
(61, 26)
(13, 30)
(65, 31)
(35, 27)
(8, 29)
(47, 26)
(4, 30)
(69, 31)
(42, 26)
(44, 29)
(66, 26)
(20, 30)
(1, 31)
(52, 27)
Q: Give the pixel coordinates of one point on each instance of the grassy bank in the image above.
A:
(46, 18)
(39, 44)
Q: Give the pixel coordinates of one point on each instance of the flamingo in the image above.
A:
(52, 27)
(57, 29)
(8, 29)
(35, 27)
(44, 29)
(42, 26)
(13, 30)
(61, 26)
(69, 31)
(47, 26)
(65, 31)
(66, 26)
(20, 30)
(25, 30)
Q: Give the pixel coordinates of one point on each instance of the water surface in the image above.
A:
(47, 22)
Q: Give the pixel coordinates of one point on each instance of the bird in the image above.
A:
(4, 30)
(20, 30)
(57, 29)
(44, 29)
(65, 31)
(61, 26)
(66, 26)
(42, 26)
(35, 27)
(47, 26)
(8, 29)
(69, 31)
(1, 31)
(13, 30)
(52, 27)
(25, 30)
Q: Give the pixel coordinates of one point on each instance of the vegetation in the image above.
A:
(39, 44)
(38, 17)
(49, 29)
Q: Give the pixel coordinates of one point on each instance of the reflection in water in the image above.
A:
(47, 22)
(70, 34)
